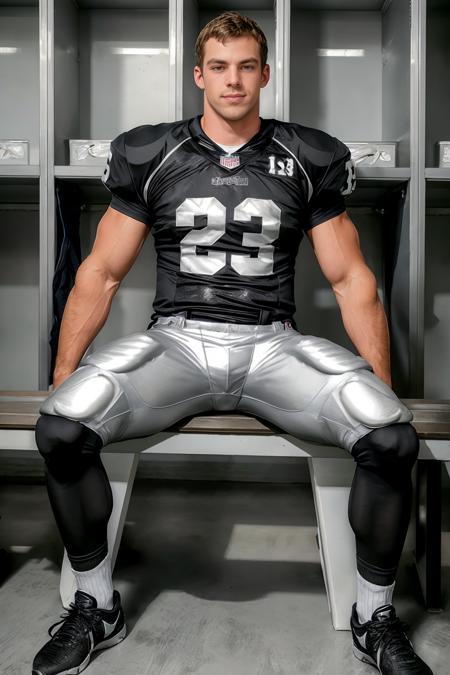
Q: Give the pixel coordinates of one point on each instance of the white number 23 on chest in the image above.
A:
(267, 212)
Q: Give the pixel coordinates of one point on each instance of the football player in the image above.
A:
(228, 197)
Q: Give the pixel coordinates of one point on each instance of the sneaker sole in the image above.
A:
(114, 640)
(362, 656)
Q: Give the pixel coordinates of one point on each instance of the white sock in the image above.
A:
(370, 597)
(98, 583)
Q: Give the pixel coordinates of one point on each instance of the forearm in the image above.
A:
(86, 311)
(365, 321)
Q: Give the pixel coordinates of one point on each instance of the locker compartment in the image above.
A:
(19, 283)
(131, 307)
(437, 98)
(19, 78)
(111, 68)
(437, 291)
(350, 70)
(195, 16)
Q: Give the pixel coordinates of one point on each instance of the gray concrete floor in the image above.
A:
(216, 579)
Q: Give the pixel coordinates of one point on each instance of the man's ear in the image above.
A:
(198, 77)
(265, 77)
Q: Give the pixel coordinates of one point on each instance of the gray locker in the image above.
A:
(19, 196)
(436, 221)
(361, 70)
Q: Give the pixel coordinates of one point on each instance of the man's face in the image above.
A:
(231, 76)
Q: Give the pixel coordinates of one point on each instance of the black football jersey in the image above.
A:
(227, 228)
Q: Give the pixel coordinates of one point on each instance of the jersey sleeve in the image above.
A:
(119, 180)
(331, 183)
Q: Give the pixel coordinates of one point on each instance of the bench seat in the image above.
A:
(20, 410)
(331, 471)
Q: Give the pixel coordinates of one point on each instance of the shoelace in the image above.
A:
(73, 622)
(395, 638)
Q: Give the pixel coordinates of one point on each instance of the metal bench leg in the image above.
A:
(121, 470)
(331, 481)
(428, 532)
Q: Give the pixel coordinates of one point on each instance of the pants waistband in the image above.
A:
(180, 321)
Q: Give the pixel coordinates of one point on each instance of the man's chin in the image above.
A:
(235, 114)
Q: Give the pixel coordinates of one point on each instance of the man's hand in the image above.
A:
(336, 245)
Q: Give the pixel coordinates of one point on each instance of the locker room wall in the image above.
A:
(81, 93)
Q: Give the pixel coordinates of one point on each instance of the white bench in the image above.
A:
(331, 471)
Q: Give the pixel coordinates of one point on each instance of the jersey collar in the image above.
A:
(260, 138)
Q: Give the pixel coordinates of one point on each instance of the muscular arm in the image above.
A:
(117, 244)
(336, 245)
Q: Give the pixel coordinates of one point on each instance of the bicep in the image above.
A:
(336, 246)
(117, 244)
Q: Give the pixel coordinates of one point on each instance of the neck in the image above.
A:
(229, 132)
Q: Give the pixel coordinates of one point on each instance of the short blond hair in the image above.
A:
(230, 25)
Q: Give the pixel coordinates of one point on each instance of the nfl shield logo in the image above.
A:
(229, 161)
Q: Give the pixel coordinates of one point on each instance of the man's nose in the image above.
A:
(234, 77)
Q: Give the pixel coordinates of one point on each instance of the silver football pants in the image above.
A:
(306, 385)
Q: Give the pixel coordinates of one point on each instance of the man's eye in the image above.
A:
(249, 66)
(217, 68)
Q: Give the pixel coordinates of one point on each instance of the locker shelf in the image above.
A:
(27, 171)
(374, 173)
(360, 5)
(14, 4)
(122, 4)
(442, 173)
(218, 6)
(77, 172)
(380, 173)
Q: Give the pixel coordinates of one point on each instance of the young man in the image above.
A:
(228, 197)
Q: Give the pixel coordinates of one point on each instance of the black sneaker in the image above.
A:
(382, 642)
(84, 629)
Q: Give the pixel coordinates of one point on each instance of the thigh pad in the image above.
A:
(328, 357)
(125, 354)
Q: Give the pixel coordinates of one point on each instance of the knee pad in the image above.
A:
(93, 393)
(361, 396)
(87, 393)
(393, 447)
(59, 439)
(92, 397)
(371, 402)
